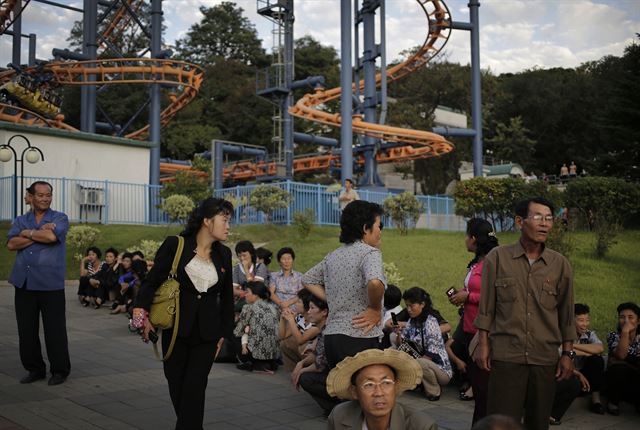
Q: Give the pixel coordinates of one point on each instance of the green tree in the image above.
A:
(178, 207)
(267, 198)
(606, 203)
(188, 184)
(511, 143)
(404, 209)
(222, 33)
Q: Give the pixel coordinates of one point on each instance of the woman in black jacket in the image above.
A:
(206, 306)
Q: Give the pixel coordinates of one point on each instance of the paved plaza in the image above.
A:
(116, 383)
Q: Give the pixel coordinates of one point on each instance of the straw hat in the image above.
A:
(408, 371)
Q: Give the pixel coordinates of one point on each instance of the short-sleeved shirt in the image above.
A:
(40, 266)
(429, 338)
(287, 287)
(586, 338)
(259, 270)
(352, 195)
(633, 356)
(527, 308)
(344, 273)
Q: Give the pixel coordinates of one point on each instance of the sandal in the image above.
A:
(554, 422)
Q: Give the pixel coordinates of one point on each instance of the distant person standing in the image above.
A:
(564, 172)
(573, 170)
(526, 314)
(38, 277)
(348, 194)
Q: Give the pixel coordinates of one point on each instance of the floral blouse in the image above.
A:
(429, 339)
(613, 339)
(262, 320)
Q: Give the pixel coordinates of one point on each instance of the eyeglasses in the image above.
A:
(540, 217)
(370, 386)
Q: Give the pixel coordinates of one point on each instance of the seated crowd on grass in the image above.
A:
(280, 323)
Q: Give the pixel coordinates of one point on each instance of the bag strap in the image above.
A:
(176, 324)
(176, 257)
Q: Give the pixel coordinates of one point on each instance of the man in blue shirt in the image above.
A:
(38, 277)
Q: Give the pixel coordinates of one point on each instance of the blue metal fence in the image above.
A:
(438, 214)
(109, 202)
(105, 202)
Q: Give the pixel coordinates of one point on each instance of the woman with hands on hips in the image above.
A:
(206, 306)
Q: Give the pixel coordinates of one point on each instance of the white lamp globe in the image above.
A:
(5, 154)
(32, 156)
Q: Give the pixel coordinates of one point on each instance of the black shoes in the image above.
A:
(57, 379)
(597, 408)
(32, 377)
(433, 398)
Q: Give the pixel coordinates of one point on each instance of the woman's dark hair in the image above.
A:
(264, 254)
(357, 215)
(627, 306)
(418, 295)
(522, 207)
(485, 237)
(112, 250)
(320, 304)
(208, 208)
(259, 289)
(139, 268)
(138, 253)
(95, 250)
(246, 246)
(392, 296)
(580, 309)
(285, 250)
(127, 255)
(305, 295)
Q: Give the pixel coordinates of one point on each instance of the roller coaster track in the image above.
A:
(7, 16)
(427, 144)
(120, 21)
(186, 77)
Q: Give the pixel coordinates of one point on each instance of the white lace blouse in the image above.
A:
(202, 273)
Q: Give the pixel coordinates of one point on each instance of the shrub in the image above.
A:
(189, 184)
(80, 237)
(494, 199)
(560, 239)
(606, 203)
(178, 207)
(267, 198)
(404, 209)
(147, 247)
(392, 274)
(303, 221)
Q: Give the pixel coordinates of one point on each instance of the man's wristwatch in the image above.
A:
(571, 354)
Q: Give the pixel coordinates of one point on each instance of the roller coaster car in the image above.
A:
(33, 95)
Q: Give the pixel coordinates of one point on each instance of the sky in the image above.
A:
(515, 35)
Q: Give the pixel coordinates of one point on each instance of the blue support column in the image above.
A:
(287, 119)
(476, 94)
(89, 49)
(370, 94)
(154, 108)
(17, 34)
(346, 101)
(217, 165)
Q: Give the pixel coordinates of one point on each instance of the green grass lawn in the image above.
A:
(429, 259)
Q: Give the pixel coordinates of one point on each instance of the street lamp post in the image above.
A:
(32, 154)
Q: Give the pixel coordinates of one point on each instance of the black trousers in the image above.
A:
(316, 385)
(51, 304)
(187, 371)
(339, 346)
(623, 381)
(513, 387)
(593, 370)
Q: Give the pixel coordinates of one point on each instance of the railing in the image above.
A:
(438, 214)
(109, 202)
(105, 202)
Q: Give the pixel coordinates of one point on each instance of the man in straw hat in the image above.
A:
(374, 379)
